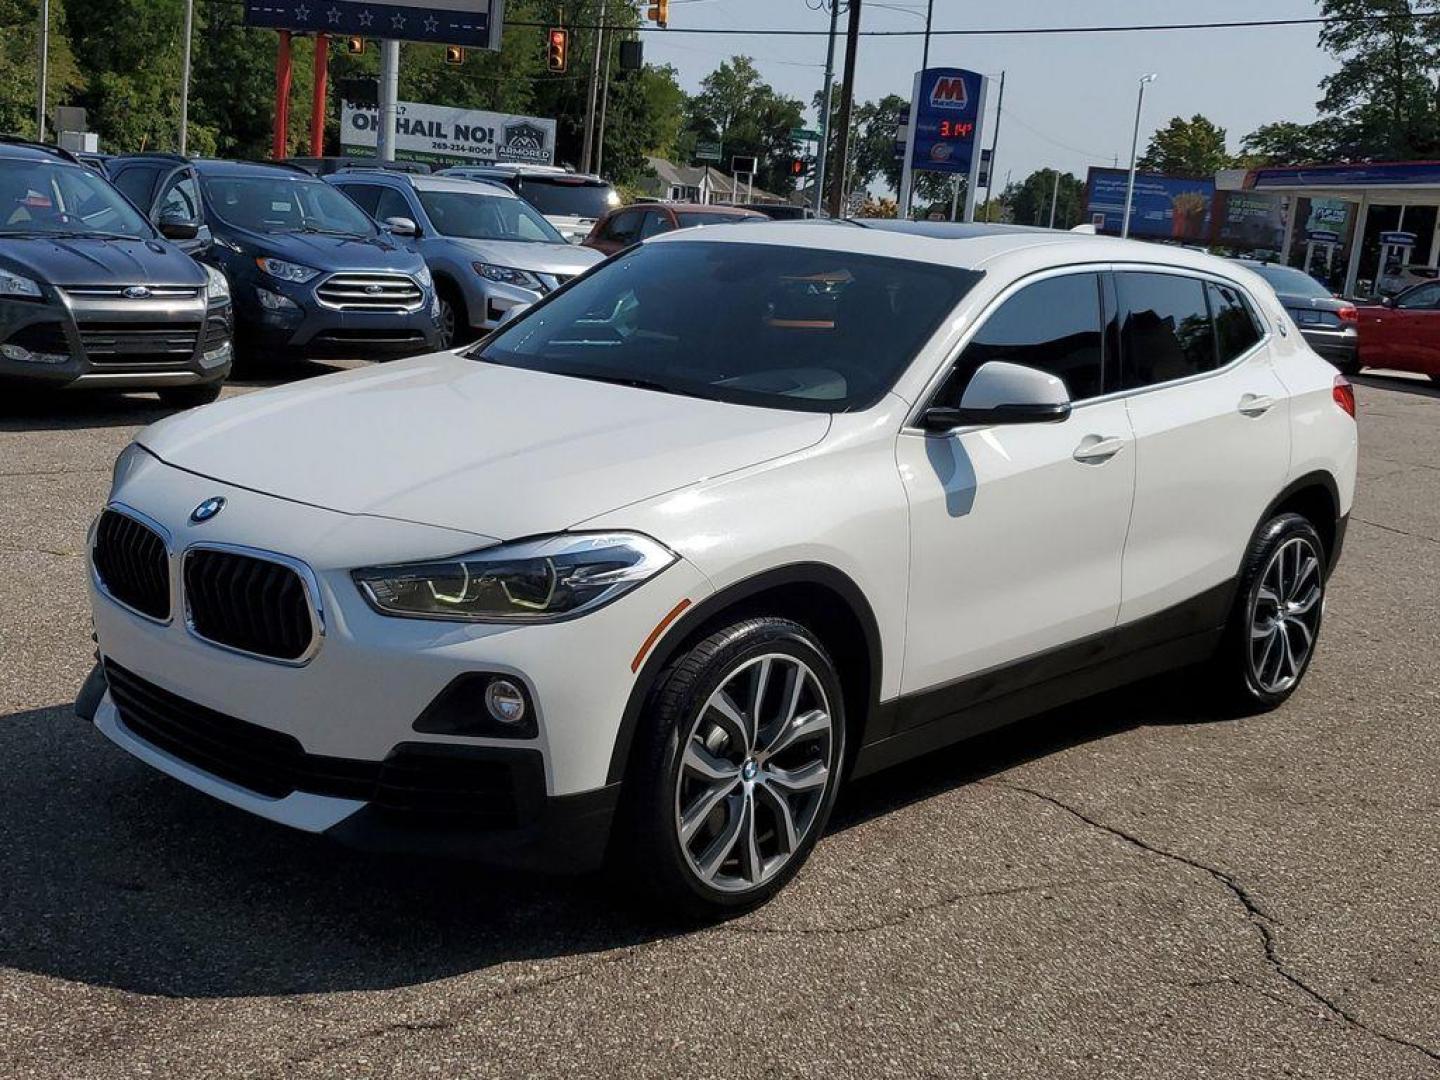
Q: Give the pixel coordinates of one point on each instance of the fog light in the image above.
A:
(271, 301)
(25, 356)
(215, 356)
(505, 701)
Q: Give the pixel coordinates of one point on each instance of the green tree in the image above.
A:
(1194, 147)
(19, 52)
(1028, 202)
(738, 109)
(643, 120)
(1287, 143)
(1381, 103)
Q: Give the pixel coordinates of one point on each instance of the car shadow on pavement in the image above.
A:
(25, 408)
(1406, 384)
(115, 875)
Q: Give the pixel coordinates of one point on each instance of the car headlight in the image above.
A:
(542, 580)
(286, 271)
(15, 285)
(217, 286)
(423, 276)
(508, 275)
(126, 463)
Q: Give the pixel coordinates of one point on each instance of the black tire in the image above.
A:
(188, 397)
(454, 322)
(1246, 672)
(1434, 378)
(647, 849)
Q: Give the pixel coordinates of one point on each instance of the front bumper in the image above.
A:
(356, 700)
(310, 328)
(109, 341)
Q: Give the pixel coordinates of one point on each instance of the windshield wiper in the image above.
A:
(632, 382)
(316, 231)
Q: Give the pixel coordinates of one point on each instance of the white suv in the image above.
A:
(735, 516)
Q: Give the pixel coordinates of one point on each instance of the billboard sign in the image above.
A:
(1249, 219)
(439, 134)
(1328, 218)
(477, 24)
(1165, 207)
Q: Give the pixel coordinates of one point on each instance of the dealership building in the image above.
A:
(1350, 226)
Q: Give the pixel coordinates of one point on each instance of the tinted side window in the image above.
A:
(1165, 329)
(135, 184)
(392, 204)
(1420, 298)
(1235, 328)
(367, 195)
(624, 228)
(1053, 325)
(181, 200)
(656, 222)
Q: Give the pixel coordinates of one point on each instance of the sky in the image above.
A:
(1070, 98)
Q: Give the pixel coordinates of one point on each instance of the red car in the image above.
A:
(631, 224)
(1403, 332)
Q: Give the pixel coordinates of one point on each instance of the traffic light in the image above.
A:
(354, 45)
(557, 49)
(797, 167)
(659, 13)
(454, 54)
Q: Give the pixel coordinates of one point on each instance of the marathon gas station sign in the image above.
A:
(943, 128)
(438, 134)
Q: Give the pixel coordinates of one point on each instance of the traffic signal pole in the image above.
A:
(847, 101)
(389, 91)
(587, 145)
(825, 109)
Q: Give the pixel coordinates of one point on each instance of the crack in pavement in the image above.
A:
(1256, 915)
(460, 1011)
(1398, 532)
(15, 549)
(53, 472)
(920, 909)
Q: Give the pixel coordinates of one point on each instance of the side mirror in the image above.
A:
(1004, 393)
(402, 226)
(177, 229)
(1387, 301)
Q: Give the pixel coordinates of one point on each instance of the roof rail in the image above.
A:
(49, 148)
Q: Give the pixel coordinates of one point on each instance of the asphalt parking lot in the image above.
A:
(1127, 888)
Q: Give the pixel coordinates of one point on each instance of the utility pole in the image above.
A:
(847, 103)
(1134, 144)
(587, 145)
(929, 15)
(994, 142)
(389, 93)
(604, 102)
(185, 74)
(44, 67)
(825, 109)
(1054, 197)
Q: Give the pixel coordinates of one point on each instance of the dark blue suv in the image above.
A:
(310, 273)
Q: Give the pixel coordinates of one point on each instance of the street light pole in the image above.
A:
(1054, 197)
(44, 64)
(185, 74)
(825, 108)
(1134, 145)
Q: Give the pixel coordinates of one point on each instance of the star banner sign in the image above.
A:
(473, 23)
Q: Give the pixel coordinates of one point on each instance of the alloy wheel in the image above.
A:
(447, 324)
(754, 771)
(1285, 615)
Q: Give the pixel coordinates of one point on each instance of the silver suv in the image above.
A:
(489, 250)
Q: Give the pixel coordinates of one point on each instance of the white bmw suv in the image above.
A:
(739, 514)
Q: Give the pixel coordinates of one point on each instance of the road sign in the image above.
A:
(743, 166)
(707, 151)
(804, 135)
(474, 23)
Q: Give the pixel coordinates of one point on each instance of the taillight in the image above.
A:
(1348, 313)
(1344, 395)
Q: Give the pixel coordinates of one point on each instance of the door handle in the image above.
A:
(1097, 449)
(1255, 404)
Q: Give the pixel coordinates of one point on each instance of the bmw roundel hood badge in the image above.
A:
(208, 509)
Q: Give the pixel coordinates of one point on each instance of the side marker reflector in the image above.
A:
(660, 628)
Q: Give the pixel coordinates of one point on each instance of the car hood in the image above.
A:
(468, 445)
(329, 253)
(564, 259)
(63, 262)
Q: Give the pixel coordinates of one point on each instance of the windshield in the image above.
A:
(1288, 281)
(284, 204)
(59, 199)
(568, 198)
(475, 216)
(688, 219)
(781, 327)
